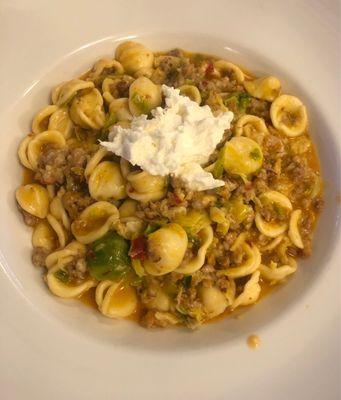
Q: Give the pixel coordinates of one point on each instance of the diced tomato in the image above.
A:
(138, 248)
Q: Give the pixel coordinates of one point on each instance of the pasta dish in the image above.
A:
(169, 187)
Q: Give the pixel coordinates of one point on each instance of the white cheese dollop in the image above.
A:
(177, 140)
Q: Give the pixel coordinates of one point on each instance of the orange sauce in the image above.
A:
(253, 341)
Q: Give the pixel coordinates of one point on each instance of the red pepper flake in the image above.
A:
(209, 69)
(176, 199)
(138, 248)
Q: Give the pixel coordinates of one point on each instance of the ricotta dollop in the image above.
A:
(178, 140)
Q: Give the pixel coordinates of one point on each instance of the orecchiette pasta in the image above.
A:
(294, 232)
(264, 88)
(37, 143)
(105, 66)
(120, 109)
(106, 182)
(94, 222)
(22, 152)
(289, 115)
(65, 92)
(194, 264)
(34, 199)
(116, 300)
(227, 68)
(94, 161)
(242, 156)
(214, 301)
(58, 228)
(248, 266)
(61, 257)
(41, 120)
(250, 293)
(192, 92)
(134, 56)
(112, 87)
(144, 96)
(166, 249)
(44, 236)
(128, 208)
(61, 289)
(87, 110)
(252, 127)
(144, 187)
(58, 211)
(275, 273)
(273, 228)
(60, 121)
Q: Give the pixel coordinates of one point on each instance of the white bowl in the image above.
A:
(77, 342)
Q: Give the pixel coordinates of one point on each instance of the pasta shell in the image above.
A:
(249, 266)
(94, 161)
(128, 208)
(144, 96)
(61, 122)
(65, 92)
(250, 293)
(94, 222)
(59, 257)
(66, 291)
(37, 143)
(289, 115)
(112, 87)
(192, 92)
(193, 265)
(34, 199)
(144, 187)
(41, 120)
(58, 228)
(22, 152)
(105, 66)
(120, 108)
(277, 274)
(242, 156)
(134, 56)
(44, 236)
(87, 110)
(58, 211)
(273, 229)
(226, 68)
(294, 232)
(166, 249)
(214, 301)
(264, 88)
(116, 300)
(252, 127)
(106, 182)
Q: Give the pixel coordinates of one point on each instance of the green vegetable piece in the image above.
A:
(141, 102)
(256, 154)
(108, 258)
(151, 227)
(186, 281)
(194, 240)
(240, 99)
(62, 276)
(111, 120)
(237, 210)
(218, 168)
